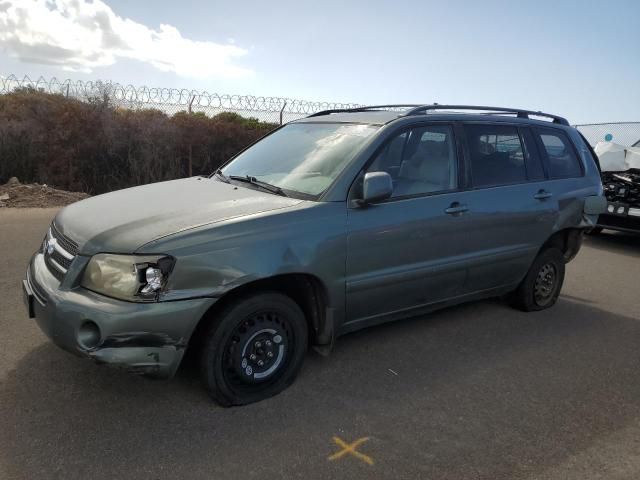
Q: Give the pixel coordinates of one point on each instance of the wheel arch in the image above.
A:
(307, 290)
(567, 240)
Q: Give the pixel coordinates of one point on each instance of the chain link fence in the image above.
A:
(623, 133)
(173, 100)
(267, 109)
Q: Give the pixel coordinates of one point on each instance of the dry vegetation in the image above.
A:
(94, 147)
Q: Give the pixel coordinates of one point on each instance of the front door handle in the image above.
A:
(542, 195)
(456, 208)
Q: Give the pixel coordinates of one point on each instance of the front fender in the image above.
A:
(212, 261)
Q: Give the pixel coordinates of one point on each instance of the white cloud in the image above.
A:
(81, 35)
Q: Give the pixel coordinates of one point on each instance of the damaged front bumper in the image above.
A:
(623, 218)
(622, 190)
(143, 338)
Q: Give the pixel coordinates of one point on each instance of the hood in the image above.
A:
(125, 220)
(617, 158)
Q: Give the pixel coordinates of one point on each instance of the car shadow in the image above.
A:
(478, 386)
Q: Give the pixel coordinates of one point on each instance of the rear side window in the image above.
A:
(561, 157)
(497, 156)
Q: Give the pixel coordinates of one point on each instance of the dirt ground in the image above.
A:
(34, 195)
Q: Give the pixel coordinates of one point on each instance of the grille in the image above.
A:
(55, 271)
(65, 242)
(59, 252)
(61, 260)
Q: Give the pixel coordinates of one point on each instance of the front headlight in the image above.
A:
(137, 278)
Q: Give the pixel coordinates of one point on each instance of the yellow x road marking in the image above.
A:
(351, 449)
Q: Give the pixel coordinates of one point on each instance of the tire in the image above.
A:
(266, 327)
(594, 231)
(534, 292)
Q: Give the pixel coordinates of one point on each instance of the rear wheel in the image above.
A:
(254, 350)
(542, 284)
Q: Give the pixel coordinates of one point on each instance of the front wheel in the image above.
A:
(542, 284)
(254, 349)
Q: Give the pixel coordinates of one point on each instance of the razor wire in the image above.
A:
(173, 100)
(264, 108)
(623, 133)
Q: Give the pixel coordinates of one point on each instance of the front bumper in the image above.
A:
(143, 338)
(620, 216)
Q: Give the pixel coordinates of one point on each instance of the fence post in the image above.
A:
(282, 111)
(190, 161)
(67, 90)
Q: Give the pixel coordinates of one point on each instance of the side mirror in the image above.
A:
(376, 186)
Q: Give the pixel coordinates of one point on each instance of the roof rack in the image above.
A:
(519, 112)
(364, 109)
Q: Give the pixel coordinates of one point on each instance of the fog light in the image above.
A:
(89, 335)
(610, 208)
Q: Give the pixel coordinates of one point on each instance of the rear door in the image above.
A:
(511, 209)
(565, 174)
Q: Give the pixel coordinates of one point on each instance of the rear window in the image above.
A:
(561, 158)
(497, 157)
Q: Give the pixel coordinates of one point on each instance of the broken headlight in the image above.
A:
(135, 278)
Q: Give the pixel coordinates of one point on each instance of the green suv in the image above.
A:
(332, 223)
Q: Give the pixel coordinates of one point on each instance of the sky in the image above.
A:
(579, 59)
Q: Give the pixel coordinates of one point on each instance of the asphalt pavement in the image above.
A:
(479, 391)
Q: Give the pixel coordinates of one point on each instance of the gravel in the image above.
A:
(18, 195)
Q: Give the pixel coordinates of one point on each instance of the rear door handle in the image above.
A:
(543, 195)
(456, 208)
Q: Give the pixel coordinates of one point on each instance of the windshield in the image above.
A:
(301, 157)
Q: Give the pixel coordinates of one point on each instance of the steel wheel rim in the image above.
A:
(258, 350)
(545, 284)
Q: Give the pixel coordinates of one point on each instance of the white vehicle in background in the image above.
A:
(620, 167)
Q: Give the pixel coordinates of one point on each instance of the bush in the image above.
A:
(96, 147)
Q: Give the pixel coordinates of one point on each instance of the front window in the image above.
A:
(301, 157)
(420, 160)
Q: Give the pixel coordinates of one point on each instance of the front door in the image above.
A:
(400, 252)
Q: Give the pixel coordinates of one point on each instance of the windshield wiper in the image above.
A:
(221, 176)
(259, 183)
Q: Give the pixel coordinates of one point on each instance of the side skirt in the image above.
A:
(423, 309)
